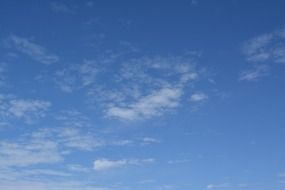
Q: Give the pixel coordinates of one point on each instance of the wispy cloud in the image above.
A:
(198, 97)
(263, 50)
(194, 2)
(31, 49)
(77, 76)
(214, 186)
(28, 153)
(254, 73)
(47, 185)
(28, 110)
(90, 4)
(256, 48)
(266, 47)
(70, 138)
(61, 7)
(179, 161)
(2, 77)
(149, 141)
(142, 87)
(106, 164)
(148, 106)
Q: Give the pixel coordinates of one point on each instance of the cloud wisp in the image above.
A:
(28, 110)
(263, 51)
(31, 49)
(106, 164)
(142, 87)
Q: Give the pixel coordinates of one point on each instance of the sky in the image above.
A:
(142, 95)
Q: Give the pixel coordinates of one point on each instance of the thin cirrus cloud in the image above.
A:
(218, 186)
(48, 185)
(263, 50)
(198, 97)
(22, 154)
(60, 7)
(31, 49)
(28, 110)
(142, 87)
(106, 164)
(266, 47)
(254, 73)
(148, 106)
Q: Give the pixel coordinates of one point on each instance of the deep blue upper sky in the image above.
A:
(142, 95)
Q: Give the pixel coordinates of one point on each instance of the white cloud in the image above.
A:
(43, 172)
(90, 4)
(47, 185)
(73, 138)
(78, 168)
(28, 110)
(33, 50)
(194, 2)
(60, 7)
(70, 138)
(179, 161)
(263, 50)
(266, 47)
(73, 118)
(148, 106)
(214, 186)
(28, 153)
(255, 73)
(106, 164)
(142, 87)
(2, 77)
(149, 140)
(198, 97)
(76, 77)
(256, 48)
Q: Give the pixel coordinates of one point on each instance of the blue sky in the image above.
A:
(142, 95)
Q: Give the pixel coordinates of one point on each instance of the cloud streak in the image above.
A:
(106, 164)
(33, 50)
(148, 106)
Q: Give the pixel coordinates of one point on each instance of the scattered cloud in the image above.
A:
(106, 164)
(60, 7)
(198, 97)
(78, 168)
(254, 73)
(2, 77)
(194, 2)
(47, 185)
(31, 49)
(149, 140)
(263, 50)
(256, 48)
(142, 87)
(214, 186)
(70, 138)
(73, 138)
(26, 153)
(90, 4)
(148, 106)
(28, 110)
(247, 185)
(43, 172)
(77, 76)
(179, 161)
(266, 47)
